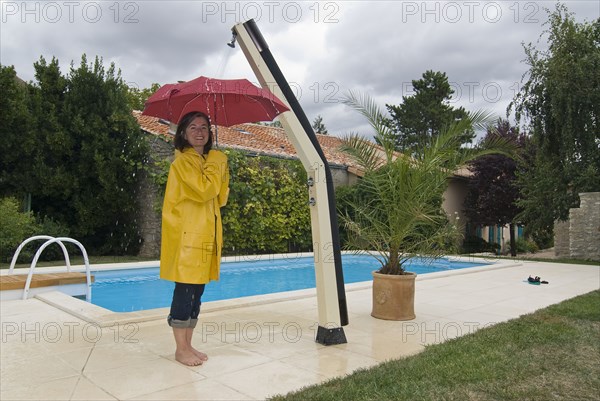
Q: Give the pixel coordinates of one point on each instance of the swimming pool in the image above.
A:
(140, 289)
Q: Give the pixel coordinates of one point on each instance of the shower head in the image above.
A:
(231, 43)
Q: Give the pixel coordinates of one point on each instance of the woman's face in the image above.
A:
(197, 132)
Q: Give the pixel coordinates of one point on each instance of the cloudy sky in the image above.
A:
(323, 48)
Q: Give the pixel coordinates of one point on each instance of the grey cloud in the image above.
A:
(378, 47)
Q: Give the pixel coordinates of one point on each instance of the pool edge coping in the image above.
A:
(103, 317)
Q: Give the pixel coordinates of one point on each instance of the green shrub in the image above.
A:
(53, 228)
(525, 245)
(15, 227)
(267, 210)
(344, 196)
(474, 244)
(159, 173)
(542, 238)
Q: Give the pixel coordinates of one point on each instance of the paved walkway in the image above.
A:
(261, 350)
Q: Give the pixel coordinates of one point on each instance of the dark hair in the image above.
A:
(180, 141)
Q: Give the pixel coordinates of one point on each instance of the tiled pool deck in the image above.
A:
(256, 349)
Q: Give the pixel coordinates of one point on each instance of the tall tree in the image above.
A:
(492, 190)
(560, 102)
(422, 116)
(51, 161)
(17, 145)
(72, 143)
(108, 151)
(318, 125)
(137, 97)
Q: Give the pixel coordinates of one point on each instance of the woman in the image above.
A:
(197, 187)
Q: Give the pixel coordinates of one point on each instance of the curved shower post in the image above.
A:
(331, 295)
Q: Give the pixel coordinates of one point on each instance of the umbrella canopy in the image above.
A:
(226, 101)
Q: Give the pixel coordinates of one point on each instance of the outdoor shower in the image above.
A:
(331, 296)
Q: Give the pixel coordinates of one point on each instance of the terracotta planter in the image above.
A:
(394, 296)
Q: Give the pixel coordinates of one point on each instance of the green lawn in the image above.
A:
(78, 260)
(532, 258)
(552, 354)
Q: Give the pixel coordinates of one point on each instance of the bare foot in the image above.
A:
(203, 357)
(188, 358)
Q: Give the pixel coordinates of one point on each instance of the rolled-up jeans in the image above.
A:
(185, 306)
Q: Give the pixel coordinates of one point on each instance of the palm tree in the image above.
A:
(397, 211)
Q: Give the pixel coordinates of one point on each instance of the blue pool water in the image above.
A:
(139, 289)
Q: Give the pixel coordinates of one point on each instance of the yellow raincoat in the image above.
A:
(192, 236)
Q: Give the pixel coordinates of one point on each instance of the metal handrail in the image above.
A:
(28, 240)
(51, 240)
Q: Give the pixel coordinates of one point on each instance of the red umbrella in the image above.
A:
(226, 101)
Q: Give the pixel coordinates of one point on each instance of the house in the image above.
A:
(454, 199)
(256, 139)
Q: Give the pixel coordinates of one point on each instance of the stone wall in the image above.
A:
(561, 239)
(148, 199)
(584, 241)
(340, 176)
(582, 230)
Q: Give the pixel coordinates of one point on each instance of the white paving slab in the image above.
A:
(258, 349)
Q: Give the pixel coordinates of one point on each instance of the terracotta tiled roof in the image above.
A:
(265, 140)
(259, 139)
(152, 125)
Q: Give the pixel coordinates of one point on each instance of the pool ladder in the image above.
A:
(51, 240)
